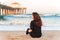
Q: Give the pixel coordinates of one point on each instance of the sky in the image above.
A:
(40, 6)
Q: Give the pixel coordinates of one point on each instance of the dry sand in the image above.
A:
(20, 35)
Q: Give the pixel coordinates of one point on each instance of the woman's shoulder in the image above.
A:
(33, 21)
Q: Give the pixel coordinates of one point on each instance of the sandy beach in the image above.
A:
(20, 35)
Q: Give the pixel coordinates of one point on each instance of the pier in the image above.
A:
(8, 10)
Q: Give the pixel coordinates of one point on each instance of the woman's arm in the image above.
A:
(32, 25)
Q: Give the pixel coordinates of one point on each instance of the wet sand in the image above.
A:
(20, 35)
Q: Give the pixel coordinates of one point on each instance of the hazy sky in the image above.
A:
(41, 6)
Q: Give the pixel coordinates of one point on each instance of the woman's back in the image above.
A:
(36, 31)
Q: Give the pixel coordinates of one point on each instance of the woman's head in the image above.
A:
(35, 16)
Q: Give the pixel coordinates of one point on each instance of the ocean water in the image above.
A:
(22, 22)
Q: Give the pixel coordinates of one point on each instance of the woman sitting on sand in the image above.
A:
(35, 26)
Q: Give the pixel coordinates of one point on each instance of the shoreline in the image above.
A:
(24, 28)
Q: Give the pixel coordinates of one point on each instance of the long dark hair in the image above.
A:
(37, 18)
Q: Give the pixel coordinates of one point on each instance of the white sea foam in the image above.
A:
(49, 22)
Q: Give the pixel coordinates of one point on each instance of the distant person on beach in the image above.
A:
(35, 26)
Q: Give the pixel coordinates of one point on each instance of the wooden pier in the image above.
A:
(7, 10)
